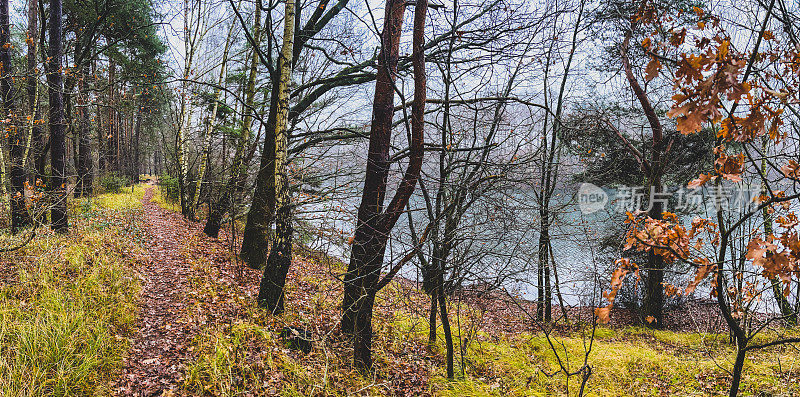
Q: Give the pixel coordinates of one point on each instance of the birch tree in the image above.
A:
(239, 168)
(270, 294)
(211, 123)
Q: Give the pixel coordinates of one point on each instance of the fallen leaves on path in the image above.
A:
(170, 315)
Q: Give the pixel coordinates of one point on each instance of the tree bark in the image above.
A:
(135, 143)
(544, 297)
(32, 86)
(111, 141)
(280, 258)
(186, 117)
(255, 238)
(738, 366)
(368, 244)
(374, 223)
(84, 187)
(19, 213)
(448, 335)
(654, 279)
(212, 120)
(58, 181)
(653, 169)
(432, 322)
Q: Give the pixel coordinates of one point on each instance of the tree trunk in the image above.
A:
(212, 120)
(3, 172)
(183, 162)
(32, 86)
(84, 187)
(544, 297)
(280, 258)
(186, 118)
(448, 335)
(432, 322)
(58, 182)
(255, 238)
(270, 292)
(19, 213)
(653, 169)
(738, 366)
(374, 224)
(368, 242)
(654, 289)
(100, 128)
(72, 138)
(557, 284)
(214, 221)
(111, 142)
(135, 143)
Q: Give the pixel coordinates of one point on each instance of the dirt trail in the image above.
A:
(169, 315)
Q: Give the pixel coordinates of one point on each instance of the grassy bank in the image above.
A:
(161, 199)
(67, 303)
(248, 357)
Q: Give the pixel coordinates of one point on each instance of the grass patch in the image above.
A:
(164, 202)
(67, 304)
(128, 198)
(631, 361)
(248, 358)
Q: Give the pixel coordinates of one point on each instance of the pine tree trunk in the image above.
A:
(110, 158)
(100, 128)
(58, 182)
(71, 133)
(654, 169)
(84, 187)
(135, 143)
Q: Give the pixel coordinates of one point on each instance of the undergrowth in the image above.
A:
(67, 302)
(249, 358)
(164, 201)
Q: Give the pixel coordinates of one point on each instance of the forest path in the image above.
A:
(171, 312)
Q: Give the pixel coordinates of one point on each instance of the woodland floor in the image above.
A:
(137, 301)
(168, 321)
(199, 332)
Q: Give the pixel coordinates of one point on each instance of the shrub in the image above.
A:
(169, 188)
(113, 182)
